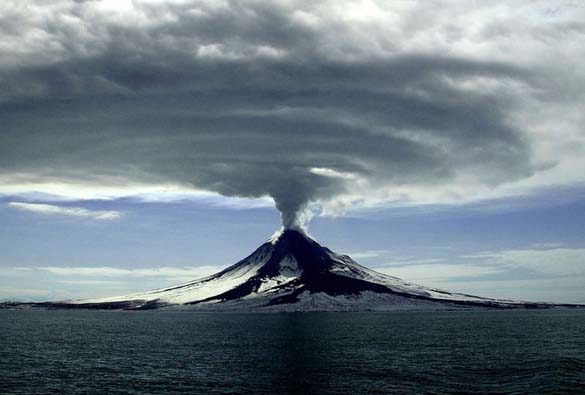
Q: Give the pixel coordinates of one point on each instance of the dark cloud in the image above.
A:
(245, 99)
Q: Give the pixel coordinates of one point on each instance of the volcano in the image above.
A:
(292, 272)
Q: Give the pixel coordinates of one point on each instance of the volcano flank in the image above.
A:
(292, 272)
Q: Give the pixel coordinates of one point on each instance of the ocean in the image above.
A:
(165, 352)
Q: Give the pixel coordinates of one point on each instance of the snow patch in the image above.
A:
(288, 270)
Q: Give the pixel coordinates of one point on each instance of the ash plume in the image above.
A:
(293, 101)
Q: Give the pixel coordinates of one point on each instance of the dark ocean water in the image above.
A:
(97, 352)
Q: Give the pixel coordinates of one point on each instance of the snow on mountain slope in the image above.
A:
(292, 272)
(204, 288)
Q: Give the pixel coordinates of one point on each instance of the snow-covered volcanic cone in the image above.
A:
(292, 272)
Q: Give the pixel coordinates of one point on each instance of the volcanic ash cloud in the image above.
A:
(295, 101)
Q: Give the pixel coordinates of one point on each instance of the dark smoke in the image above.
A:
(248, 100)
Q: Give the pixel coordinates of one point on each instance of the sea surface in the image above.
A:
(163, 352)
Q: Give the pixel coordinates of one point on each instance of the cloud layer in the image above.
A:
(345, 104)
(49, 209)
(537, 273)
(188, 273)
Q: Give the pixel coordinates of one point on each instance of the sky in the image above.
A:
(148, 143)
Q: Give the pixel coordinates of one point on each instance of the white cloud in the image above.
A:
(51, 209)
(543, 273)
(23, 184)
(568, 289)
(549, 262)
(555, 261)
(191, 273)
(366, 254)
(12, 292)
(29, 188)
(113, 284)
(65, 283)
(429, 273)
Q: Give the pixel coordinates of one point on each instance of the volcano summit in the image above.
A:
(292, 272)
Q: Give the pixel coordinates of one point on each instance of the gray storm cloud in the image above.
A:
(249, 98)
